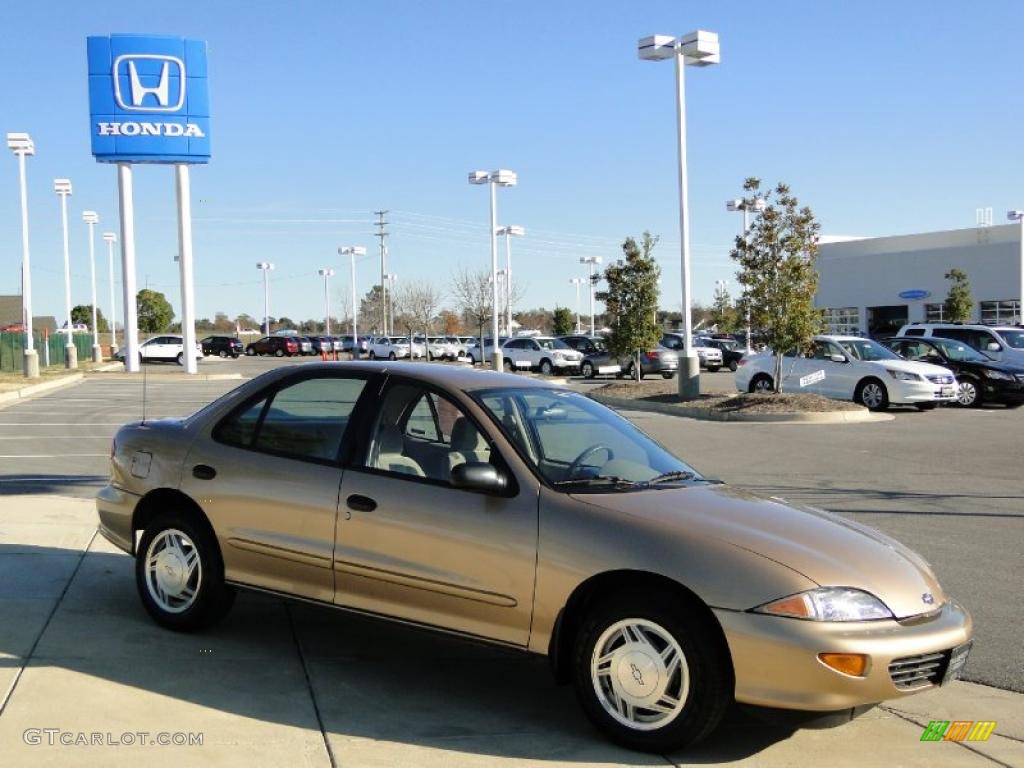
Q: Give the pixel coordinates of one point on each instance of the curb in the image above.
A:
(705, 414)
(46, 386)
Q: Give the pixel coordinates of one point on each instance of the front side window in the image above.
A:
(867, 350)
(1014, 339)
(960, 353)
(578, 445)
(305, 420)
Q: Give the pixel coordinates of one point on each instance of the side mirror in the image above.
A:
(479, 476)
(992, 347)
(837, 358)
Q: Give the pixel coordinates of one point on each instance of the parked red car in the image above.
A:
(279, 346)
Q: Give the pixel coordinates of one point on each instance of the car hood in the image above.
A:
(827, 549)
(912, 366)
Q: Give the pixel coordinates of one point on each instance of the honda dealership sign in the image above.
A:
(148, 99)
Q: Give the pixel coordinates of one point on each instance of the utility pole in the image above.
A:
(381, 235)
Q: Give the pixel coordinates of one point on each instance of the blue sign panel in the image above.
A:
(148, 99)
(915, 294)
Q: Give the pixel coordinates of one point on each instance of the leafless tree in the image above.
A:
(416, 308)
(472, 292)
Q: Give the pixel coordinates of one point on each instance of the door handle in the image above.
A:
(203, 472)
(361, 503)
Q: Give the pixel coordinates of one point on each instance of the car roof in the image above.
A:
(838, 337)
(450, 376)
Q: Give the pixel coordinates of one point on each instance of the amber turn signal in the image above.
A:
(853, 664)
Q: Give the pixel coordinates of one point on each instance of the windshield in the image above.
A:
(868, 350)
(1013, 338)
(578, 445)
(399, 339)
(959, 352)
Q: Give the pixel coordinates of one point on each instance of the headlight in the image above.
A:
(829, 604)
(903, 375)
(992, 374)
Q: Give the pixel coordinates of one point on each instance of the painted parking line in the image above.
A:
(55, 437)
(61, 424)
(51, 455)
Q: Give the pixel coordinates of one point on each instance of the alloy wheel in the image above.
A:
(872, 395)
(174, 571)
(966, 393)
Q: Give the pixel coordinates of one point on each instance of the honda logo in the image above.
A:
(162, 97)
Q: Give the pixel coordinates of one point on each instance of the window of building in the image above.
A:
(1000, 312)
(843, 321)
(935, 313)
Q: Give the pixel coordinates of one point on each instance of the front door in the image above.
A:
(412, 546)
(269, 478)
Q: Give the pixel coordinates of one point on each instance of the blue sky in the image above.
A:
(884, 117)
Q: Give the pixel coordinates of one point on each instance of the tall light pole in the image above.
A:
(593, 261)
(512, 230)
(265, 267)
(22, 146)
(63, 189)
(352, 251)
(741, 205)
(326, 274)
(698, 49)
(90, 218)
(110, 238)
(577, 281)
(502, 178)
(1019, 217)
(391, 280)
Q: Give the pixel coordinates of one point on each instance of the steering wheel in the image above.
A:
(578, 461)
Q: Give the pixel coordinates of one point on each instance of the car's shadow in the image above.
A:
(294, 664)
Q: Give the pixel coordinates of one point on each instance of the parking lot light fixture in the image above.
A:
(22, 146)
(499, 178)
(577, 281)
(1018, 216)
(110, 238)
(593, 261)
(699, 49)
(510, 231)
(353, 251)
(326, 274)
(266, 268)
(63, 189)
(92, 219)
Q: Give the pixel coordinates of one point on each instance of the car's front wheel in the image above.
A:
(223, 353)
(278, 353)
(587, 369)
(546, 368)
(872, 394)
(733, 366)
(968, 393)
(180, 359)
(651, 673)
(761, 383)
(180, 575)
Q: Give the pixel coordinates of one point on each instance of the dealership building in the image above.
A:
(874, 285)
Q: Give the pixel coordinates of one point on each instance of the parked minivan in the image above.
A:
(1004, 343)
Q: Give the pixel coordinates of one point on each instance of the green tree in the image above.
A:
(154, 311)
(959, 302)
(562, 321)
(82, 313)
(777, 271)
(632, 299)
(723, 312)
(370, 308)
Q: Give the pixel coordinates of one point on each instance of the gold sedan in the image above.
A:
(504, 509)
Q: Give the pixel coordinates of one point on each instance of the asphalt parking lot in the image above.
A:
(281, 683)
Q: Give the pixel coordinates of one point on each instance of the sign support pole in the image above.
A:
(188, 315)
(126, 208)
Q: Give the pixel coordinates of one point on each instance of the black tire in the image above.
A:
(872, 394)
(925, 406)
(968, 392)
(631, 371)
(713, 368)
(180, 359)
(762, 382)
(710, 684)
(668, 375)
(372, 355)
(587, 369)
(546, 368)
(733, 366)
(234, 355)
(222, 353)
(507, 366)
(391, 356)
(279, 353)
(213, 597)
(250, 352)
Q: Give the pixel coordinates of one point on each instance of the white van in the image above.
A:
(1004, 343)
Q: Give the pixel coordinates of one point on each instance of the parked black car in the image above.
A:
(980, 379)
(224, 346)
(732, 350)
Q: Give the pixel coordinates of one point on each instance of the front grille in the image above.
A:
(941, 379)
(912, 672)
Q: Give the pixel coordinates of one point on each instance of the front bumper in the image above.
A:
(115, 508)
(776, 658)
(920, 391)
(1003, 391)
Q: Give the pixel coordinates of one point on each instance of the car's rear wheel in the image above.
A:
(180, 575)
(180, 359)
(761, 383)
(968, 393)
(631, 371)
(223, 353)
(278, 353)
(713, 368)
(668, 374)
(587, 369)
(651, 674)
(872, 394)
(250, 352)
(391, 356)
(733, 366)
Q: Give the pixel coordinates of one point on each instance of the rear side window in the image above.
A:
(914, 332)
(303, 421)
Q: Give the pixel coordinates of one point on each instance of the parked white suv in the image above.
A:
(543, 353)
(168, 348)
(392, 348)
(438, 347)
(710, 357)
(851, 368)
(1004, 343)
